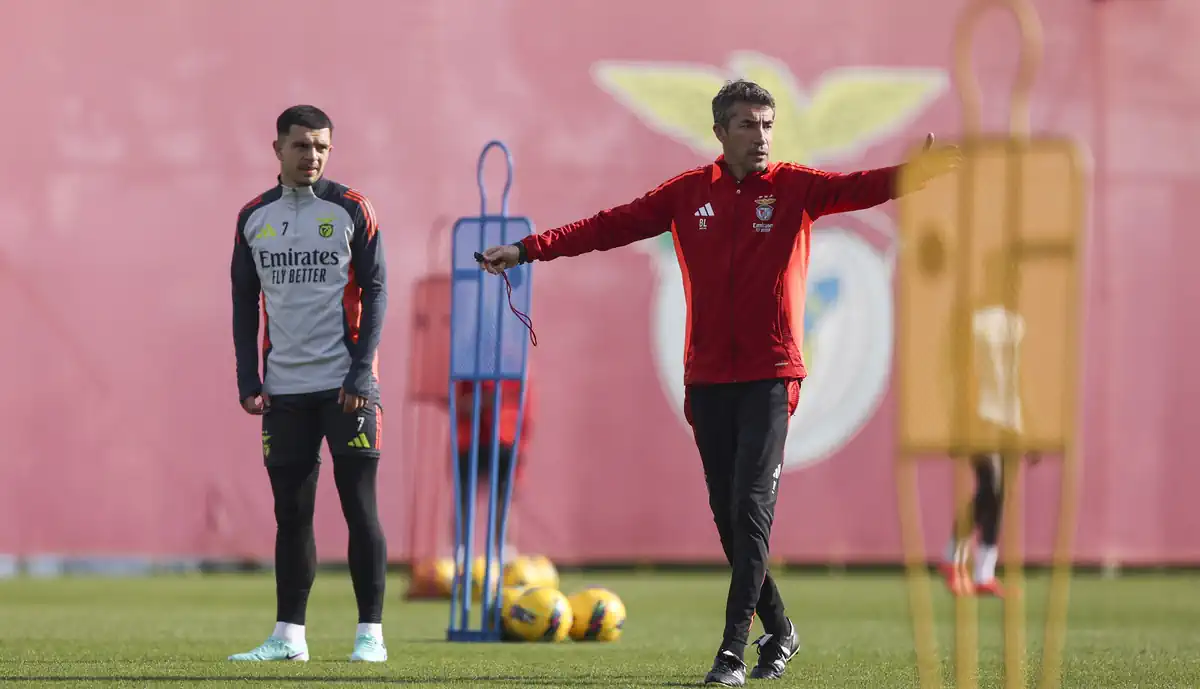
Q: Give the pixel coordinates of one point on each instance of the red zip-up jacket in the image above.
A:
(743, 251)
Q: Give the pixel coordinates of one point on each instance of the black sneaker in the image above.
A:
(728, 670)
(774, 653)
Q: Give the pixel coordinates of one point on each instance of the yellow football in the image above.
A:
(539, 614)
(599, 615)
(431, 579)
(524, 571)
(547, 572)
(510, 594)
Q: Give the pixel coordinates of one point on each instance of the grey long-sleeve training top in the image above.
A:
(315, 256)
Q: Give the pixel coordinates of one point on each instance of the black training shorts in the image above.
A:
(295, 425)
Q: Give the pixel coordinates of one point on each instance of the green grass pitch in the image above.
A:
(1138, 631)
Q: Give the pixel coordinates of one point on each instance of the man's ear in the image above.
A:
(719, 131)
(277, 145)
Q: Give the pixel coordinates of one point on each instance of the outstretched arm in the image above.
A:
(645, 217)
(836, 192)
(833, 192)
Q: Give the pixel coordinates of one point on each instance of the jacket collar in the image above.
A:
(309, 191)
(721, 169)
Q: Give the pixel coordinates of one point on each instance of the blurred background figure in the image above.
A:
(506, 421)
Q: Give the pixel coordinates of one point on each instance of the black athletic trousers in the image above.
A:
(293, 429)
(740, 429)
(989, 497)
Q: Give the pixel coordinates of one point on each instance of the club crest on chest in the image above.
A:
(764, 211)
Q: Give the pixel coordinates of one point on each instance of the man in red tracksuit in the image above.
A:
(741, 227)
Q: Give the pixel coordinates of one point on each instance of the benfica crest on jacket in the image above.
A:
(764, 212)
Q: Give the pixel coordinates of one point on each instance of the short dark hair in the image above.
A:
(740, 91)
(307, 116)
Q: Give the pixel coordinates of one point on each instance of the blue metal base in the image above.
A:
(472, 635)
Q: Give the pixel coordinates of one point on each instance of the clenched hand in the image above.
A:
(257, 404)
(498, 259)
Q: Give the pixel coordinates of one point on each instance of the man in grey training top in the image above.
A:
(311, 248)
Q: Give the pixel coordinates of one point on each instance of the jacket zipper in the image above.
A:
(295, 209)
(732, 304)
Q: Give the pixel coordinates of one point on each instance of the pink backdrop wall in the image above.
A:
(131, 143)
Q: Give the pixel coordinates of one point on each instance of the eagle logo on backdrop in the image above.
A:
(848, 332)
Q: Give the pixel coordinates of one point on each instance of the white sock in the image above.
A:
(985, 563)
(291, 633)
(374, 629)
